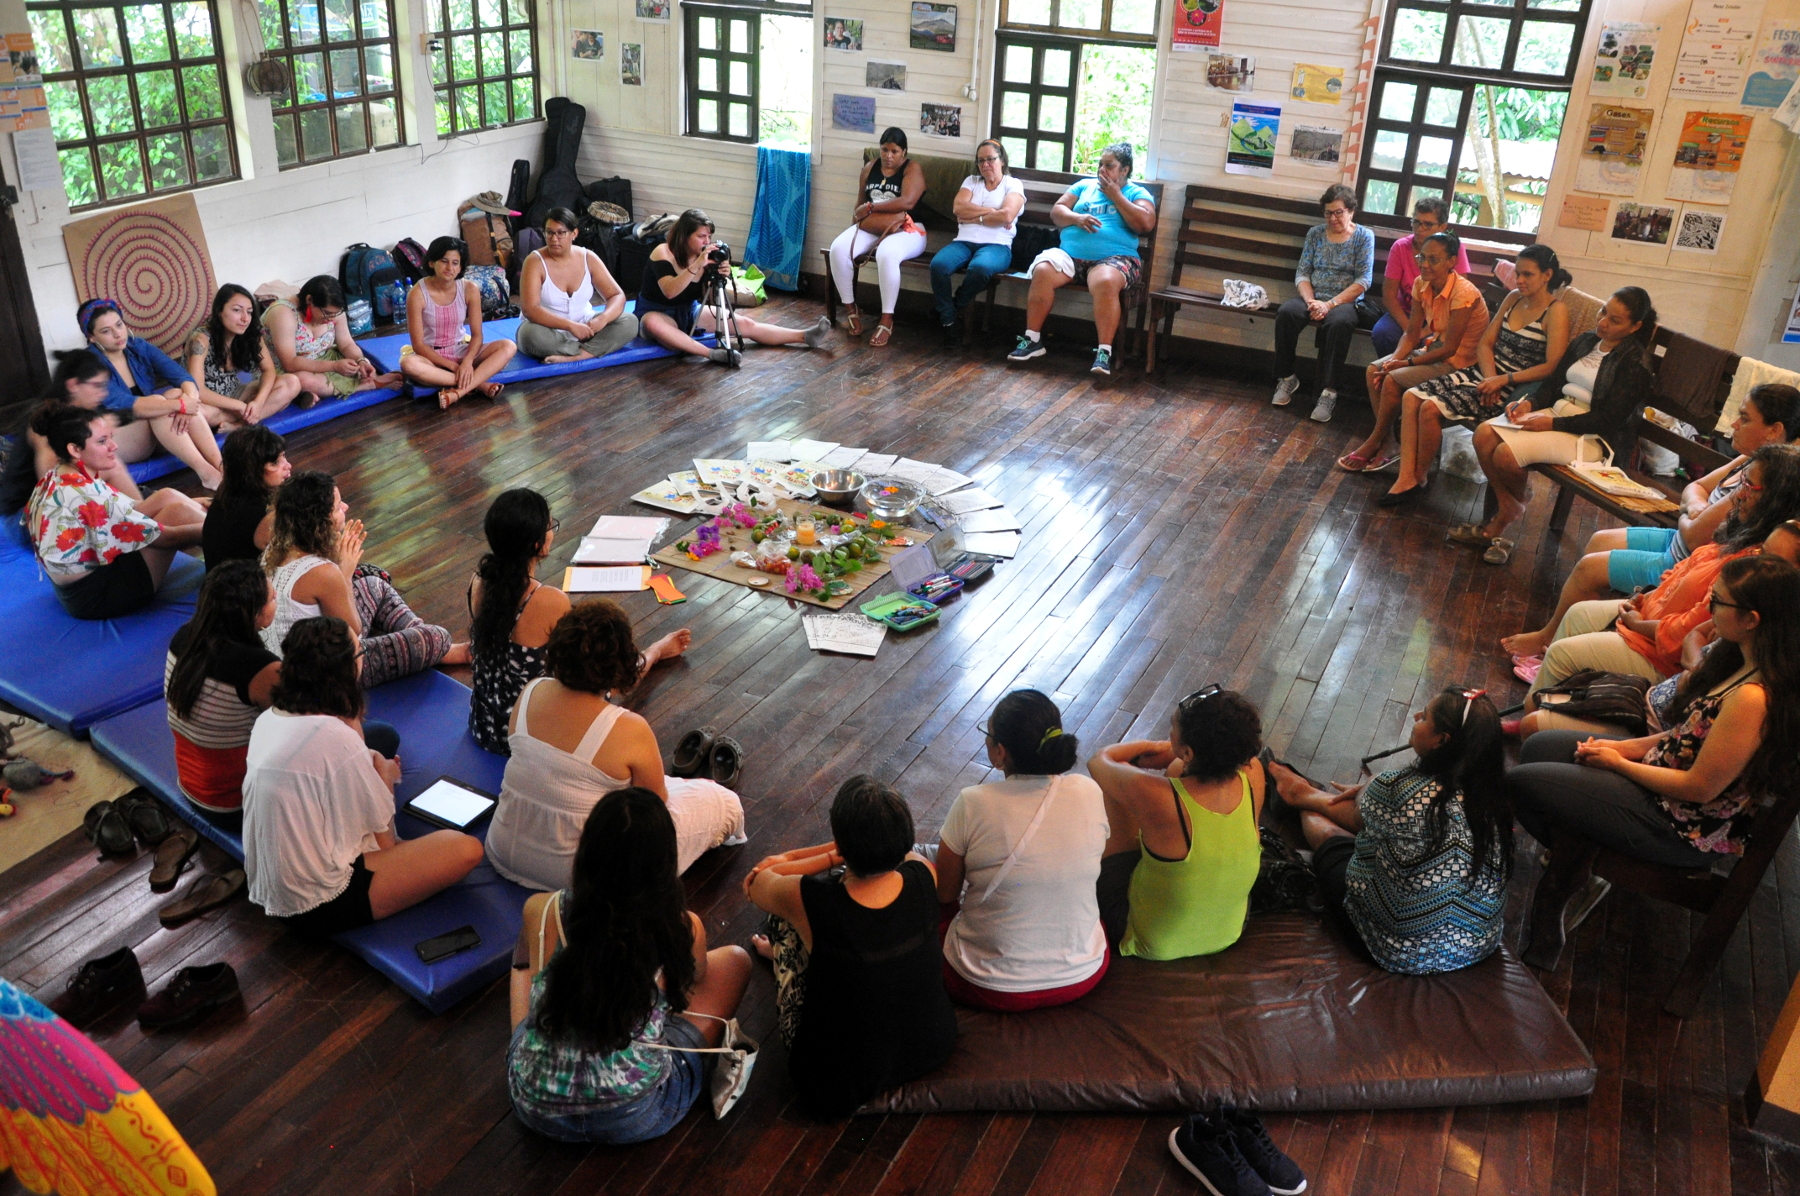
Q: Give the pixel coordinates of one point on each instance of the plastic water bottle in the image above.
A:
(361, 318)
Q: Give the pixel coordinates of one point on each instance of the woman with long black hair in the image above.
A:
(217, 679)
(228, 354)
(80, 380)
(242, 517)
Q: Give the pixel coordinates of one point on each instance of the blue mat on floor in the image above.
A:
(431, 712)
(71, 673)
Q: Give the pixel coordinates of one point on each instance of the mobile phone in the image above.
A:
(444, 945)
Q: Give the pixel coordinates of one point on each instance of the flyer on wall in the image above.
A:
(1708, 156)
(1197, 23)
(1792, 335)
(1773, 68)
(1250, 148)
(1318, 84)
(1622, 63)
(1612, 158)
(1715, 49)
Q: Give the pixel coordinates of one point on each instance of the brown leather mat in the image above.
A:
(1288, 1019)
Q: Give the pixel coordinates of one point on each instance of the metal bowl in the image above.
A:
(891, 499)
(837, 487)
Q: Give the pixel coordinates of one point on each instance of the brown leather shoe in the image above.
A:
(193, 994)
(172, 856)
(99, 986)
(209, 892)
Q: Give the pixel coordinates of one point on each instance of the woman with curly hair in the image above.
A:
(314, 558)
(571, 747)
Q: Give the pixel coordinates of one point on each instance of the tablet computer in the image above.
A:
(451, 803)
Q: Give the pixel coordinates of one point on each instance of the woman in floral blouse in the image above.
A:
(107, 554)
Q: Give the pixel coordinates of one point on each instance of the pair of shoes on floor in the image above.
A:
(706, 754)
(116, 826)
(1231, 1154)
(104, 983)
(1286, 388)
(1526, 668)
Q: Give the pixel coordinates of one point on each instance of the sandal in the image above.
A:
(207, 893)
(1353, 463)
(172, 859)
(107, 829)
(693, 754)
(491, 389)
(447, 397)
(853, 322)
(1469, 535)
(145, 818)
(883, 333)
(1387, 464)
(1499, 551)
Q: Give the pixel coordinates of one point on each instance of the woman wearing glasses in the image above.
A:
(987, 210)
(1417, 859)
(1337, 264)
(1394, 307)
(311, 338)
(1686, 796)
(1183, 812)
(556, 298)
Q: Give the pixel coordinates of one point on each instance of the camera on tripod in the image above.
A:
(718, 256)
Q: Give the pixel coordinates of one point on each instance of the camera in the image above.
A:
(718, 253)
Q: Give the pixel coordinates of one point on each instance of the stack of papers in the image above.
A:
(997, 520)
(964, 501)
(1005, 544)
(619, 540)
(844, 631)
(615, 579)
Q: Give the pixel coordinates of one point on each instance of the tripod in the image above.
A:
(716, 295)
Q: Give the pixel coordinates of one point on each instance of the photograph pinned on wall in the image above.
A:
(1318, 84)
(884, 76)
(1645, 223)
(631, 64)
(855, 114)
(590, 45)
(1228, 72)
(1250, 146)
(1317, 144)
(940, 120)
(653, 10)
(1699, 232)
(1623, 60)
(843, 34)
(933, 26)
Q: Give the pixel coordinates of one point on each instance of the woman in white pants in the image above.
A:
(890, 186)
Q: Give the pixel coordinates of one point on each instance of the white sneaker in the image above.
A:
(1284, 390)
(1323, 408)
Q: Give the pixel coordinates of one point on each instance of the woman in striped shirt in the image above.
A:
(217, 679)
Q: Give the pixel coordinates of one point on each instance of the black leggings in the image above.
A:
(1549, 788)
(1333, 340)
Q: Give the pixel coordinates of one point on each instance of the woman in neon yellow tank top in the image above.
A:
(1184, 848)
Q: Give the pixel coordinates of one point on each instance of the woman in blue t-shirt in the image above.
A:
(1101, 220)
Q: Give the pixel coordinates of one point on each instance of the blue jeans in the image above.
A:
(981, 262)
(649, 1116)
(1386, 335)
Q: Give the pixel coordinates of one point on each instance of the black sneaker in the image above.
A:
(194, 993)
(1206, 1148)
(1281, 1173)
(100, 986)
(952, 335)
(1027, 349)
(1102, 362)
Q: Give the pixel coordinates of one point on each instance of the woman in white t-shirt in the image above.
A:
(987, 210)
(1028, 934)
(319, 845)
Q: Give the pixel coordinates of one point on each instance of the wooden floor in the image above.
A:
(1176, 534)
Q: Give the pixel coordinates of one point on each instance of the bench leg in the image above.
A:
(1150, 342)
(1571, 862)
(1559, 514)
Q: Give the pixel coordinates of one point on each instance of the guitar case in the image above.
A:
(559, 186)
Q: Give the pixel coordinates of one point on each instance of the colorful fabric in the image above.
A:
(1415, 909)
(1331, 266)
(1678, 606)
(778, 221)
(1723, 823)
(444, 321)
(79, 523)
(72, 1121)
(1514, 351)
(316, 346)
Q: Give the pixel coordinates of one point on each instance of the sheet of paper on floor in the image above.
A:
(943, 480)
(906, 469)
(617, 579)
(964, 501)
(844, 631)
(713, 471)
(997, 520)
(769, 450)
(668, 496)
(843, 458)
(875, 465)
(812, 450)
(620, 539)
(1004, 544)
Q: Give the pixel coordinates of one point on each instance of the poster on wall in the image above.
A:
(34, 149)
(933, 26)
(1623, 60)
(842, 34)
(631, 64)
(589, 45)
(1250, 146)
(22, 59)
(1583, 212)
(1612, 158)
(1708, 156)
(885, 76)
(1773, 68)
(1317, 144)
(1228, 72)
(1699, 232)
(1318, 84)
(1197, 23)
(1647, 224)
(1715, 49)
(940, 120)
(855, 114)
(653, 10)
(1788, 115)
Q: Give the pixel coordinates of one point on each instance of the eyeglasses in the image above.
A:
(558, 232)
(1198, 696)
(555, 524)
(1330, 212)
(1469, 696)
(985, 161)
(1714, 602)
(1422, 225)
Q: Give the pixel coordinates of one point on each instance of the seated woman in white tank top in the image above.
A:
(556, 296)
(571, 747)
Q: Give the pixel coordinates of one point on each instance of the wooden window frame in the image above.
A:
(751, 14)
(1036, 90)
(93, 143)
(445, 84)
(287, 108)
(1104, 34)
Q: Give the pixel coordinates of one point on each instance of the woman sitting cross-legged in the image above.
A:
(1683, 797)
(1417, 859)
(571, 747)
(557, 289)
(230, 356)
(437, 312)
(615, 996)
(1519, 345)
(217, 679)
(315, 558)
(890, 187)
(319, 846)
(860, 992)
(310, 335)
(155, 398)
(1624, 559)
(106, 554)
(241, 516)
(1028, 933)
(987, 210)
(1184, 848)
(669, 306)
(80, 380)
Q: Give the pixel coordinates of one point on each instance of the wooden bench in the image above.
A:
(1258, 238)
(1042, 189)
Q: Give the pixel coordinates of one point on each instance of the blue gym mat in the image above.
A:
(431, 712)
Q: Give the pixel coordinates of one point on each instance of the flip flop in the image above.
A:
(883, 334)
(853, 322)
(172, 857)
(1468, 535)
(207, 893)
(1353, 463)
(693, 754)
(1388, 464)
(1499, 551)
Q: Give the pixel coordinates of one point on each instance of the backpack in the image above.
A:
(1602, 697)
(364, 269)
(409, 255)
(490, 281)
(1283, 881)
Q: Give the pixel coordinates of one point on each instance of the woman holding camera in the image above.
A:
(668, 303)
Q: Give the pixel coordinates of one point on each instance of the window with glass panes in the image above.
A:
(343, 97)
(485, 70)
(1468, 104)
(733, 93)
(1071, 78)
(137, 97)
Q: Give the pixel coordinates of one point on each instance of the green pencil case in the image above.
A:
(902, 612)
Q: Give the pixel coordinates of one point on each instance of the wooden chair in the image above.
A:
(1723, 898)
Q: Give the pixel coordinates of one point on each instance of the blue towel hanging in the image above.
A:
(778, 222)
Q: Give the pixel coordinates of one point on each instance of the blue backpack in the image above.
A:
(364, 274)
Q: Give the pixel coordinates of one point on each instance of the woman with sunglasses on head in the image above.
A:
(155, 400)
(438, 311)
(311, 337)
(230, 355)
(987, 210)
(1417, 859)
(557, 289)
(1183, 812)
(1685, 796)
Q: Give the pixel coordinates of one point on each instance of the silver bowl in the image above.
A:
(891, 499)
(837, 487)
